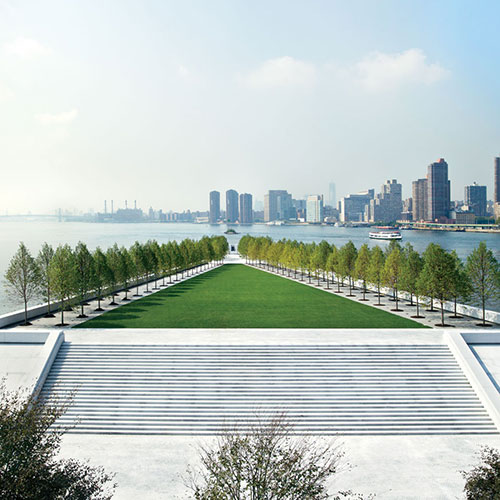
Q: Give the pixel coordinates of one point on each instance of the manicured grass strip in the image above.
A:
(237, 296)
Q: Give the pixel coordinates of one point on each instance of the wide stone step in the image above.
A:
(324, 390)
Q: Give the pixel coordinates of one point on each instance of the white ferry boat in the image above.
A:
(386, 233)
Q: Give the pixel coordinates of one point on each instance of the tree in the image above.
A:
(483, 481)
(221, 247)
(317, 262)
(310, 265)
(43, 261)
(425, 285)
(264, 462)
(208, 252)
(84, 274)
(437, 276)
(63, 276)
(29, 444)
(165, 261)
(376, 269)
(156, 267)
(243, 246)
(412, 267)
(303, 259)
(102, 275)
(460, 286)
(113, 258)
(23, 278)
(361, 267)
(331, 264)
(483, 270)
(347, 261)
(324, 251)
(125, 270)
(392, 273)
(137, 256)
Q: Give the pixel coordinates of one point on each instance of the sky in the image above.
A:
(164, 101)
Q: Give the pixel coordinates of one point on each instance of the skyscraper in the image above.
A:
(246, 211)
(419, 199)
(277, 205)
(386, 206)
(332, 195)
(214, 215)
(438, 191)
(475, 198)
(353, 206)
(314, 211)
(231, 205)
(496, 199)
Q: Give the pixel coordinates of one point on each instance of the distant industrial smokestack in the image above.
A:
(105, 206)
(111, 206)
(126, 205)
(135, 204)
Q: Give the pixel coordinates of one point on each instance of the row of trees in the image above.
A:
(436, 275)
(71, 276)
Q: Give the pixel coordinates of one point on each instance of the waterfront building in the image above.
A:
(387, 205)
(438, 191)
(314, 211)
(496, 198)
(278, 206)
(475, 198)
(332, 195)
(353, 206)
(463, 217)
(419, 197)
(214, 215)
(299, 209)
(246, 210)
(232, 212)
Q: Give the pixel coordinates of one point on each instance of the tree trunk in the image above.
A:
(484, 310)
(442, 313)
(378, 288)
(26, 312)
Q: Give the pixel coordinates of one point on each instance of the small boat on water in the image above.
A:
(386, 233)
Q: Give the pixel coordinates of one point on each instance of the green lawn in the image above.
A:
(237, 296)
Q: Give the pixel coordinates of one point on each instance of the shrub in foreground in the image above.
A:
(30, 440)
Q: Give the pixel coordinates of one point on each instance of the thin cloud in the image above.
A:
(281, 72)
(379, 71)
(57, 118)
(183, 72)
(5, 93)
(26, 48)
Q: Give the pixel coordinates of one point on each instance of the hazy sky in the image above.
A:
(163, 101)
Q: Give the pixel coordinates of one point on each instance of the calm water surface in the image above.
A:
(36, 231)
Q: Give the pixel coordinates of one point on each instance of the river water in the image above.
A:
(33, 232)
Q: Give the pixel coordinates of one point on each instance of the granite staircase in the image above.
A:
(322, 389)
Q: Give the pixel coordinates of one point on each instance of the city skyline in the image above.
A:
(155, 100)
